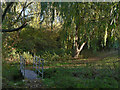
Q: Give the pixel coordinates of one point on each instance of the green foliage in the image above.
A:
(28, 57)
(47, 56)
(52, 34)
(37, 40)
(50, 58)
(55, 57)
(66, 57)
(53, 26)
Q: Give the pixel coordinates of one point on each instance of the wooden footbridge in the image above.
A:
(32, 74)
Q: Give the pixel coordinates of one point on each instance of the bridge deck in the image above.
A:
(29, 74)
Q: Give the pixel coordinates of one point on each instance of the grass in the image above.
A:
(11, 76)
(96, 75)
(81, 79)
(76, 74)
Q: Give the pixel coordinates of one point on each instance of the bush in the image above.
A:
(55, 57)
(47, 56)
(66, 56)
(28, 57)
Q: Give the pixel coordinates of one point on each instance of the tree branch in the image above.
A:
(3, 16)
(81, 47)
(6, 9)
(16, 29)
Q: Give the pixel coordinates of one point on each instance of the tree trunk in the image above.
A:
(119, 51)
(78, 50)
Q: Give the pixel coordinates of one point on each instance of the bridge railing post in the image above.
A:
(22, 65)
(33, 61)
(42, 66)
(20, 62)
(36, 63)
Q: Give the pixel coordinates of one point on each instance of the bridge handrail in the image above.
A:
(37, 62)
(22, 64)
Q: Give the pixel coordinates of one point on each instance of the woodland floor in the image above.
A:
(102, 58)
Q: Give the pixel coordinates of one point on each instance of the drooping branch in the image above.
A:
(25, 6)
(16, 29)
(23, 9)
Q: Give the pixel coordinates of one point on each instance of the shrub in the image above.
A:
(66, 56)
(47, 56)
(55, 57)
(28, 57)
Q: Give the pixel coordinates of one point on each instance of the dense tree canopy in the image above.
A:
(67, 25)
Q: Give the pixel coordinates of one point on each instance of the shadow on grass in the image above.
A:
(11, 76)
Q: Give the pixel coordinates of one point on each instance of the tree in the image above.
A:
(91, 22)
(11, 9)
(13, 19)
